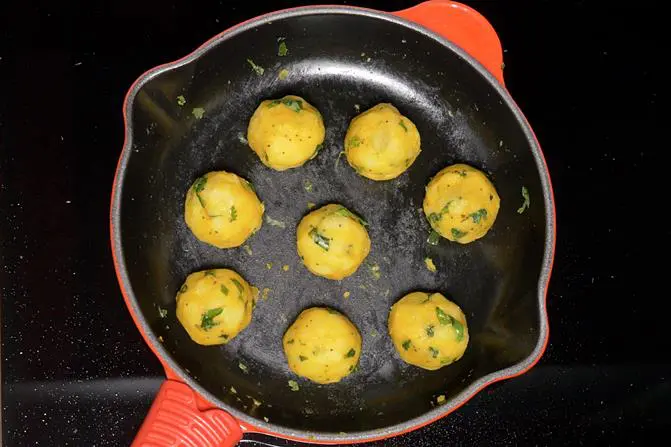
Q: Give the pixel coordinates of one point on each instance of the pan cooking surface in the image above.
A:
(341, 64)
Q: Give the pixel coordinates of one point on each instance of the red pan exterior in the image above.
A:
(179, 415)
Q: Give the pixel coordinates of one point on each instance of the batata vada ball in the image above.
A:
(215, 305)
(322, 345)
(285, 133)
(222, 209)
(428, 330)
(332, 241)
(381, 143)
(461, 203)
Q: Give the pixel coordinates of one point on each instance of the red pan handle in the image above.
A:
(179, 417)
(462, 25)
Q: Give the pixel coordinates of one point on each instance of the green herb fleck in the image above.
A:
(207, 320)
(294, 104)
(402, 124)
(181, 100)
(350, 353)
(527, 202)
(257, 68)
(435, 217)
(446, 319)
(317, 149)
(248, 185)
(290, 342)
(184, 288)
(320, 239)
(478, 215)
(353, 368)
(198, 187)
(274, 103)
(332, 311)
(406, 344)
(434, 352)
(162, 312)
(429, 331)
(234, 214)
(293, 385)
(243, 367)
(443, 318)
(284, 73)
(461, 173)
(198, 112)
(241, 289)
(355, 141)
(307, 184)
(433, 238)
(458, 234)
(224, 289)
(446, 208)
(282, 50)
(445, 360)
(210, 273)
(302, 358)
(342, 211)
(275, 223)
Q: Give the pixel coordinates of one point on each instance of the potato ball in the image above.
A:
(461, 203)
(332, 241)
(322, 345)
(215, 305)
(428, 330)
(222, 209)
(381, 143)
(285, 133)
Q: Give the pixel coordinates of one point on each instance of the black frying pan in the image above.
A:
(340, 59)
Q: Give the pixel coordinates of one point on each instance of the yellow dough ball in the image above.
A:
(322, 345)
(215, 305)
(428, 330)
(381, 143)
(285, 133)
(461, 203)
(332, 241)
(222, 209)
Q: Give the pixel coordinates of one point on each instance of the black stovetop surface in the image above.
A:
(75, 370)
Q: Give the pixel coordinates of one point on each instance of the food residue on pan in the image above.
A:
(357, 108)
(275, 223)
(265, 293)
(269, 265)
(375, 271)
(259, 70)
(526, 203)
(285, 267)
(198, 112)
(181, 100)
(346, 295)
(242, 139)
(248, 249)
(266, 419)
(282, 49)
(284, 73)
(162, 312)
(441, 399)
(430, 265)
(233, 390)
(311, 205)
(293, 385)
(243, 367)
(307, 184)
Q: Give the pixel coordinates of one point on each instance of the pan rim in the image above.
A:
(253, 424)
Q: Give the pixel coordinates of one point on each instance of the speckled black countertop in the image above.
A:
(75, 370)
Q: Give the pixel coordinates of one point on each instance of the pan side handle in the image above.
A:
(463, 26)
(179, 418)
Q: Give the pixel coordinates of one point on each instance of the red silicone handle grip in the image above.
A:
(462, 25)
(176, 419)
